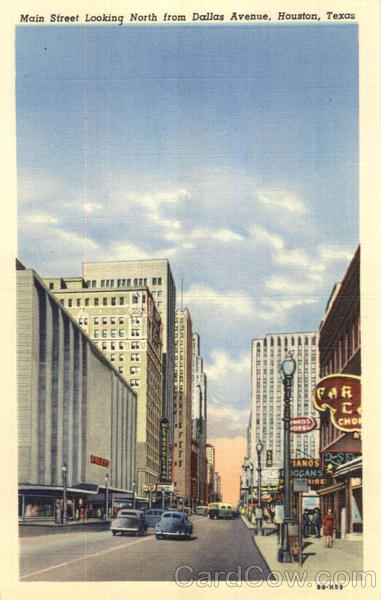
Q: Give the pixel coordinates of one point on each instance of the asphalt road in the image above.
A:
(218, 550)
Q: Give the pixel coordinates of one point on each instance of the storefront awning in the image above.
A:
(330, 489)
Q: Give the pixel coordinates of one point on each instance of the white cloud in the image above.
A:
(282, 200)
(224, 366)
(75, 240)
(133, 252)
(41, 219)
(259, 234)
(276, 308)
(336, 253)
(152, 201)
(206, 296)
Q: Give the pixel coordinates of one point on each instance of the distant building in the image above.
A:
(157, 276)
(211, 464)
(199, 405)
(340, 451)
(267, 402)
(74, 410)
(183, 407)
(125, 325)
(217, 487)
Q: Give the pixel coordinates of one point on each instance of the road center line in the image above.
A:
(69, 562)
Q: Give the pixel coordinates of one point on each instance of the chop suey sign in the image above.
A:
(342, 395)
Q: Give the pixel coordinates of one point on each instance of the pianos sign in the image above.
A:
(303, 424)
(342, 395)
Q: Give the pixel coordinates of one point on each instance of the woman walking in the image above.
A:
(329, 527)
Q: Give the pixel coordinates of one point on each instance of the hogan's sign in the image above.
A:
(342, 395)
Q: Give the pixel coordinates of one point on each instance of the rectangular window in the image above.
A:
(121, 320)
(112, 357)
(154, 280)
(128, 282)
(159, 281)
(112, 345)
(135, 356)
(121, 345)
(102, 282)
(113, 301)
(96, 333)
(93, 283)
(70, 302)
(135, 332)
(96, 320)
(121, 370)
(96, 301)
(87, 301)
(135, 282)
(113, 333)
(113, 320)
(104, 345)
(121, 332)
(104, 333)
(78, 301)
(135, 345)
(104, 320)
(112, 283)
(119, 282)
(62, 302)
(121, 356)
(104, 301)
(121, 300)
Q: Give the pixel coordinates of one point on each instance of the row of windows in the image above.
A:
(112, 333)
(306, 342)
(123, 282)
(120, 345)
(113, 301)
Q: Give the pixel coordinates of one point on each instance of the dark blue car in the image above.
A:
(174, 524)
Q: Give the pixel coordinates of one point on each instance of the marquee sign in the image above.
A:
(98, 460)
(303, 424)
(342, 395)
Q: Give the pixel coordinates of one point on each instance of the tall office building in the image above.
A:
(76, 413)
(267, 402)
(183, 406)
(157, 275)
(125, 325)
(199, 395)
(210, 454)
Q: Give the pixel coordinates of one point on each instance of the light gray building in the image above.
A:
(157, 275)
(267, 402)
(199, 406)
(74, 410)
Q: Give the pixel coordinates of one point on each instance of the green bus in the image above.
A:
(220, 510)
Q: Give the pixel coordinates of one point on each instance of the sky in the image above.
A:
(230, 150)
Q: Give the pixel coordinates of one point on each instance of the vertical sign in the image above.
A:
(269, 458)
(164, 423)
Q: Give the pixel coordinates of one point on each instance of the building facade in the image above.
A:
(125, 325)
(340, 451)
(210, 454)
(199, 408)
(74, 408)
(157, 275)
(183, 406)
(267, 399)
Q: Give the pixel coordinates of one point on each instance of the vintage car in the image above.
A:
(201, 510)
(174, 524)
(129, 521)
(153, 516)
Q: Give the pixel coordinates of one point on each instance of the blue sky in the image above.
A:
(230, 150)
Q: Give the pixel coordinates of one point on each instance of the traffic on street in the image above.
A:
(216, 549)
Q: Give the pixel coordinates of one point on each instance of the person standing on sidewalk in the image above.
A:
(306, 523)
(316, 521)
(329, 527)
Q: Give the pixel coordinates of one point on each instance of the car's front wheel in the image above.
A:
(114, 532)
(158, 536)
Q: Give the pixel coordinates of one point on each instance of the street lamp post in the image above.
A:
(287, 371)
(106, 482)
(64, 481)
(259, 469)
(251, 467)
(133, 493)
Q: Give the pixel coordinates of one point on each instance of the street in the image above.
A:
(224, 546)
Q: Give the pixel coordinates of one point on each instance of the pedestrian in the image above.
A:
(306, 523)
(329, 527)
(82, 513)
(316, 521)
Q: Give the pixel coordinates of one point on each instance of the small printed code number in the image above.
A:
(330, 586)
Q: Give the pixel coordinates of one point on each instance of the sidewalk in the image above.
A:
(50, 526)
(345, 555)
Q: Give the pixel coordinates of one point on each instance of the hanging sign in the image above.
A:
(303, 424)
(342, 395)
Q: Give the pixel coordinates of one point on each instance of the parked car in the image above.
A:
(153, 516)
(174, 524)
(129, 521)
